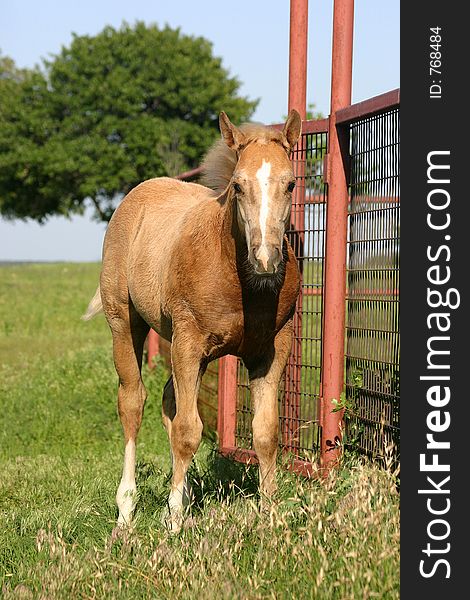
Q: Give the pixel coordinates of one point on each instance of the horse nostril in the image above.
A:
(276, 258)
(252, 254)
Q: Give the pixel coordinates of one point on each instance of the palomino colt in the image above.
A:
(211, 270)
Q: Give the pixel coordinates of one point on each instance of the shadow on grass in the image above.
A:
(222, 479)
(211, 478)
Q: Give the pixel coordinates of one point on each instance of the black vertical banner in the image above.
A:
(435, 312)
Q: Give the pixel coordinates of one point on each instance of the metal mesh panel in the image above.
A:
(300, 389)
(244, 409)
(208, 396)
(373, 342)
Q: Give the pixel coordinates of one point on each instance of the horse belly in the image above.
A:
(145, 285)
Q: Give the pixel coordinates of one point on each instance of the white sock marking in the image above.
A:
(175, 500)
(125, 496)
(175, 507)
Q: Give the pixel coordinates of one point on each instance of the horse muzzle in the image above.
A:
(266, 259)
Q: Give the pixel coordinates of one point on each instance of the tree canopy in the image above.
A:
(107, 113)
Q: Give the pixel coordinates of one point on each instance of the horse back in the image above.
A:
(140, 241)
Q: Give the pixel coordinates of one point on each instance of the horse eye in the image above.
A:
(237, 188)
(291, 186)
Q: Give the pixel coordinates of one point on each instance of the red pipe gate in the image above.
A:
(369, 310)
(345, 234)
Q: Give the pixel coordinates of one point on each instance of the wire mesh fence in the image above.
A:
(372, 331)
(299, 392)
(208, 397)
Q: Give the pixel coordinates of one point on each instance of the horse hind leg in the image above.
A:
(129, 333)
(168, 414)
(185, 428)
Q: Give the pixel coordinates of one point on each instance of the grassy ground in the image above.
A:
(60, 462)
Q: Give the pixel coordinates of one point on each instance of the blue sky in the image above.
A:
(251, 37)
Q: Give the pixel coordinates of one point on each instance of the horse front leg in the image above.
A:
(265, 376)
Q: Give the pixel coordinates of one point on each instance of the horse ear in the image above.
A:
(292, 128)
(233, 137)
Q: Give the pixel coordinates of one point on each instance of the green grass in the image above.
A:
(40, 308)
(60, 462)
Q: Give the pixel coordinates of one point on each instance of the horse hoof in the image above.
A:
(175, 526)
(123, 522)
(172, 521)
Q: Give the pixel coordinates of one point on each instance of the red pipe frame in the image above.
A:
(336, 237)
(298, 36)
(153, 348)
(297, 99)
(227, 401)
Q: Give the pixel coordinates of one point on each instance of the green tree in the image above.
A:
(107, 113)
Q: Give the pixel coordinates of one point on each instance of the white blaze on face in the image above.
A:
(262, 175)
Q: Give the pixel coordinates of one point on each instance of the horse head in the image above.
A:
(262, 184)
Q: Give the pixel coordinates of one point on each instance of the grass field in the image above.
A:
(60, 463)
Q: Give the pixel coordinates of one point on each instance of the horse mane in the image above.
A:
(220, 161)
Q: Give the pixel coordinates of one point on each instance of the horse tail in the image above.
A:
(95, 306)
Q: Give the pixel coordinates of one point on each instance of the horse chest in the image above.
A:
(257, 334)
(232, 318)
(233, 330)
(261, 322)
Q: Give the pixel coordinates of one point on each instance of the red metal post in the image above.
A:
(153, 347)
(336, 237)
(227, 405)
(298, 56)
(297, 100)
(227, 381)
